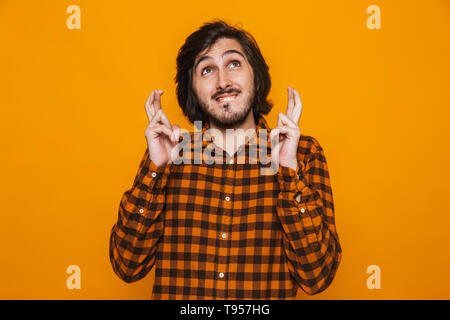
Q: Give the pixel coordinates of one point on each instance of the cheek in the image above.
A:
(245, 81)
(200, 89)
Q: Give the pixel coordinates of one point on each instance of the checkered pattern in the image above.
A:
(226, 231)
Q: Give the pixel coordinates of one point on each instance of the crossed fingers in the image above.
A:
(294, 107)
(288, 123)
(158, 120)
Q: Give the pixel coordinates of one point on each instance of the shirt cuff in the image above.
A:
(291, 180)
(153, 177)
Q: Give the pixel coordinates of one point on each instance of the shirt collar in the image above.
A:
(251, 147)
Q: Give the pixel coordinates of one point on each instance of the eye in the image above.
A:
(206, 70)
(235, 64)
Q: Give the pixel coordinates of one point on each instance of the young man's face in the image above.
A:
(223, 82)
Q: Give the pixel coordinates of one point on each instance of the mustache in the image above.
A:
(221, 92)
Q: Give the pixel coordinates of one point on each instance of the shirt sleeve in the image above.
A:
(310, 239)
(134, 237)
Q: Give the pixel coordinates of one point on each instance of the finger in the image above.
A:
(156, 119)
(160, 129)
(279, 122)
(290, 132)
(278, 134)
(275, 144)
(279, 125)
(164, 119)
(297, 112)
(284, 120)
(286, 132)
(176, 133)
(148, 108)
(291, 102)
(157, 101)
(274, 133)
(285, 123)
(161, 119)
(274, 137)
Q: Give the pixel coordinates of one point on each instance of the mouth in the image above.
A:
(226, 97)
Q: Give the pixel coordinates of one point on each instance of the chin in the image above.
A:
(228, 113)
(231, 118)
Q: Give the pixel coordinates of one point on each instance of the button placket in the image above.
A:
(223, 234)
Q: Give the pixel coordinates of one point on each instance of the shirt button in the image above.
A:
(227, 198)
(153, 174)
(224, 235)
(221, 275)
(302, 210)
(141, 210)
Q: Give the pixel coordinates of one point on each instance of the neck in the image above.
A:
(230, 142)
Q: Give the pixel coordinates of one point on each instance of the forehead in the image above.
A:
(219, 47)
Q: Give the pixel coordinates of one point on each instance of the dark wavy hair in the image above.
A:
(203, 39)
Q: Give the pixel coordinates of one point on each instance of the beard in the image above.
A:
(223, 117)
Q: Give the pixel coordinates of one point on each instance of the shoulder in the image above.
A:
(307, 147)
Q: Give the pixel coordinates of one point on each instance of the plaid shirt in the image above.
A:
(226, 231)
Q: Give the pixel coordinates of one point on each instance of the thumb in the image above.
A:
(175, 133)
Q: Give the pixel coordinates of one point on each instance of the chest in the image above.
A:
(233, 197)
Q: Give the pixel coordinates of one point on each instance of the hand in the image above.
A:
(288, 132)
(161, 136)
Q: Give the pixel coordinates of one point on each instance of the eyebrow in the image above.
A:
(224, 54)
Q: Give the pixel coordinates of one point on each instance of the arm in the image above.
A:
(311, 242)
(134, 238)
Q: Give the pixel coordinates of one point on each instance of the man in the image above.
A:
(224, 229)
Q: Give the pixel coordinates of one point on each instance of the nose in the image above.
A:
(223, 82)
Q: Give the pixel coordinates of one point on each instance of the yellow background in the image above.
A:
(73, 121)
